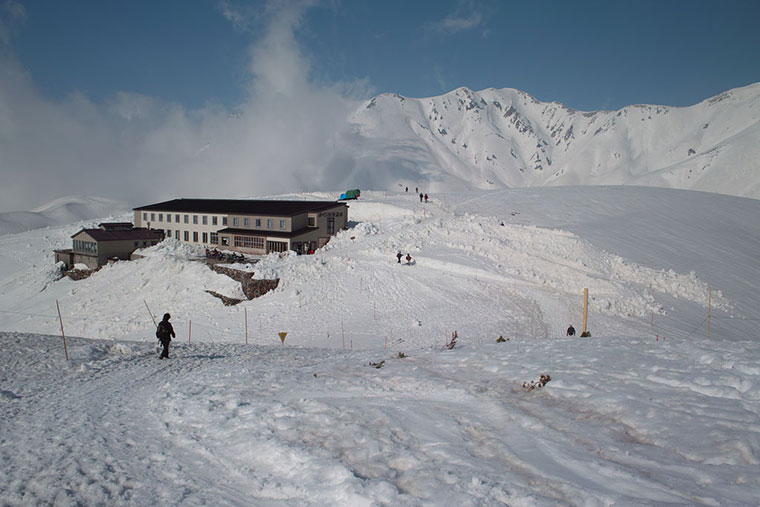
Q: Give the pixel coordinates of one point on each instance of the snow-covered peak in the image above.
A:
(502, 138)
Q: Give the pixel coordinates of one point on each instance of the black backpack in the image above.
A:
(161, 332)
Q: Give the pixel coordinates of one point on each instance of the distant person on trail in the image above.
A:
(407, 189)
(571, 330)
(416, 189)
(420, 196)
(164, 333)
(408, 258)
(398, 256)
(426, 198)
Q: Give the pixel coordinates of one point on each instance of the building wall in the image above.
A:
(158, 220)
(319, 235)
(105, 250)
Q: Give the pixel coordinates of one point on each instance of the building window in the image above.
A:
(168, 233)
(330, 225)
(186, 218)
(214, 238)
(85, 246)
(205, 237)
(270, 223)
(213, 220)
(282, 225)
(145, 217)
(176, 234)
(187, 236)
(258, 222)
(246, 222)
(225, 241)
(176, 218)
(235, 221)
(152, 217)
(160, 217)
(312, 221)
(195, 219)
(169, 217)
(145, 243)
(137, 244)
(195, 236)
(205, 220)
(249, 242)
(224, 220)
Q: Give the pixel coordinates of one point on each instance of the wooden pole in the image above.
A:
(150, 313)
(585, 310)
(65, 349)
(709, 309)
(246, 325)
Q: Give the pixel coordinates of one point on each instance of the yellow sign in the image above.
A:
(282, 337)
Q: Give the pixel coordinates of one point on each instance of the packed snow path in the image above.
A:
(220, 424)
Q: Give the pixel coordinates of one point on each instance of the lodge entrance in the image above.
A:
(276, 246)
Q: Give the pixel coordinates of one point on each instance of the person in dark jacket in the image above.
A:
(165, 333)
(571, 331)
(398, 256)
(420, 197)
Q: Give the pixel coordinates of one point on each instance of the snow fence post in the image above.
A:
(585, 310)
(709, 310)
(65, 349)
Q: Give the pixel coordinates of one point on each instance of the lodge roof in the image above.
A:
(241, 206)
(121, 235)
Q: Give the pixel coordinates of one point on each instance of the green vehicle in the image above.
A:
(350, 194)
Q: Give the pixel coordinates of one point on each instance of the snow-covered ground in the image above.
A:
(646, 411)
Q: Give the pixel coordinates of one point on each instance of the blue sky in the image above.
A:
(586, 54)
(151, 100)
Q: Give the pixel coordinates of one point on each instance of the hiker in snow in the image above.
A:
(407, 189)
(420, 196)
(426, 198)
(416, 189)
(408, 259)
(398, 256)
(164, 333)
(571, 330)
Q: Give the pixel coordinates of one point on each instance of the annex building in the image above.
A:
(110, 241)
(247, 226)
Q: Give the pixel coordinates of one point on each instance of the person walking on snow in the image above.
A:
(571, 330)
(426, 198)
(165, 333)
(408, 259)
(398, 256)
(420, 196)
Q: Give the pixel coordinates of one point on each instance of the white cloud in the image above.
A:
(141, 149)
(466, 16)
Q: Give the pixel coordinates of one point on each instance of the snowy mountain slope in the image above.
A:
(623, 420)
(64, 210)
(506, 138)
(646, 411)
(641, 252)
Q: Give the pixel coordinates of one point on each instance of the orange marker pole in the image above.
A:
(65, 349)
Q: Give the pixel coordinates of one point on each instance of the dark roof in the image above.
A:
(121, 235)
(116, 225)
(267, 233)
(241, 206)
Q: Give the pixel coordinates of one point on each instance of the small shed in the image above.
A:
(115, 240)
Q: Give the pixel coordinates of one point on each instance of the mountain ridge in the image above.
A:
(505, 138)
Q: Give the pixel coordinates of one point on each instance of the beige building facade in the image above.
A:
(247, 226)
(110, 241)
